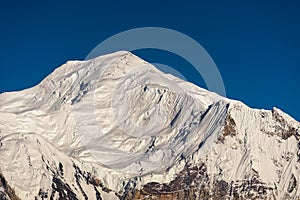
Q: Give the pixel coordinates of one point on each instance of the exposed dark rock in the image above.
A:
(60, 168)
(194, 183)
(89, 179)
(6, 191)
(282, 128)
(43, 194)
(63, 189)
(229, 129)
(292, 184)
(78, 177)
(298, 152)
(98, 195)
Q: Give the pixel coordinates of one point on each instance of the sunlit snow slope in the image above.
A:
(115, 127)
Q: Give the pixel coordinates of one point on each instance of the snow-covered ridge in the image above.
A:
(114, 124)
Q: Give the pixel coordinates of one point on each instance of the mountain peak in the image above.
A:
(117, 127)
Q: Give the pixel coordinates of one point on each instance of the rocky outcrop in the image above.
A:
(194, 183)
(6, 192)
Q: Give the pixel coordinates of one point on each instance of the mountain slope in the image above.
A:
(115, 127)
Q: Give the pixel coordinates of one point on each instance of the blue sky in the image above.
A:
(255, 44)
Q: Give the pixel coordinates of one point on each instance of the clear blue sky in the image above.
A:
(255, 44)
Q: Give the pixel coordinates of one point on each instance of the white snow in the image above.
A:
(120, 117)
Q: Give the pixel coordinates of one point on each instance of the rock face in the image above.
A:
(193, 183)
(115, 127)
(6, 192)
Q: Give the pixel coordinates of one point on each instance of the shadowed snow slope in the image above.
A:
(115, 127)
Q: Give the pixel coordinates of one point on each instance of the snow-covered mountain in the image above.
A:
(115, 127)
